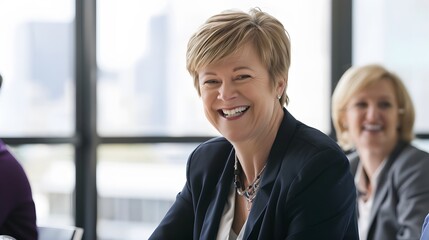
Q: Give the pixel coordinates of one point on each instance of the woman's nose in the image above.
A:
(227, 91)
(372, 112)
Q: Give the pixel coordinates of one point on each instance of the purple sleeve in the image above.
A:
(17, 210)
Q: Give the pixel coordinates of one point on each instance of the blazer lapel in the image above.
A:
(382, 187)
(275, 159)
(214, 211)
(379, 197)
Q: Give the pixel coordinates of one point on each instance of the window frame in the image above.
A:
(86, 139)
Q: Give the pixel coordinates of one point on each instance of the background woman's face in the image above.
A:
(372, 117)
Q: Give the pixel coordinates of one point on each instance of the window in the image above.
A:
(143, 85)
(37, 99)
(148, 115)
(144, 90)
(395, 34)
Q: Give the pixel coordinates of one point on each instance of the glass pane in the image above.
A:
(396, 34)
(137, 184)
(142, 75)
(422, 144)
(51, 172)
(36, 62)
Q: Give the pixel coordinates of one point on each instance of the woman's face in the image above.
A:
(372, 118)
(238, 96)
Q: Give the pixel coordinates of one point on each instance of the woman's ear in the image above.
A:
(281, 85)
(343, 123)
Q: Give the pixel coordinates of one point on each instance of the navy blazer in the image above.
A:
(306, 192)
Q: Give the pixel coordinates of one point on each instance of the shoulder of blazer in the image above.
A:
(301, 136)
(209, 157)
(412, 152)
(212, 146)
(300, 148)
(406, 154)
(308, 142)
(411, 156)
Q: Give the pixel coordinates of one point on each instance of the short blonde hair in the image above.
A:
(355, 80)
(225, 33)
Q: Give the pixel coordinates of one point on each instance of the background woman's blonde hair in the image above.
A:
(225, 33)
(356, 79)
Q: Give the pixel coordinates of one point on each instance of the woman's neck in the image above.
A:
(371, 160)
(253, 154)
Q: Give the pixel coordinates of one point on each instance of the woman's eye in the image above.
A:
(385, 105)
(241, 77)
(360, 105)
(211, 81)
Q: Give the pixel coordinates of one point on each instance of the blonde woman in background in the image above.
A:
(373, 116)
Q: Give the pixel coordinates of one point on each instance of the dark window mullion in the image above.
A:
(341, 42)
(86, 151)
(40, 140)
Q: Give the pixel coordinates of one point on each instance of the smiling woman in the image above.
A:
(373, 116)
(259, 180)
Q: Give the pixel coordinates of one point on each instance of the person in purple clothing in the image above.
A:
(17, 210)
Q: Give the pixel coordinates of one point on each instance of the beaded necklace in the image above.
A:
(248, 193)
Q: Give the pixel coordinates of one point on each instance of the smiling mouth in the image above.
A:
(230, 113)
(372, 127)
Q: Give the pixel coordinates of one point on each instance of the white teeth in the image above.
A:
(233, 112)
(372, 127)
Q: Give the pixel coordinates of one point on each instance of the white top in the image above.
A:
(225, 226)
(365, 207)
